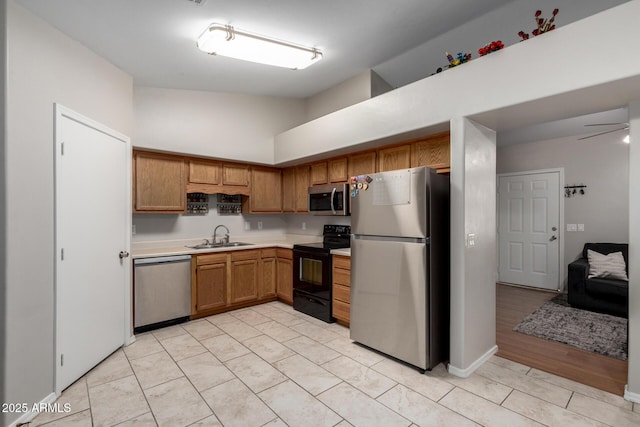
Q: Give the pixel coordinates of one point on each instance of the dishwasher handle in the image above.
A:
(161, 259)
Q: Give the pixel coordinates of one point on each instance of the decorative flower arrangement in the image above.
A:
(544, 25)
(491, 47)
(461, 58)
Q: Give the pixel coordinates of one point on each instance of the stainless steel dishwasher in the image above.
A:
(162, 291)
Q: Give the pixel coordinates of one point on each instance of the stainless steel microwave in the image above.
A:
(329, 199)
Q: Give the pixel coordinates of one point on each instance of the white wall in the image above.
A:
(601, 163)
(356, 89)
(634, 252)
(519, 85)
(45, 67)
(503, 24)
(212, 124)
(473, 284)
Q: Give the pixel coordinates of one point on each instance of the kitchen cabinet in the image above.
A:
(337, 170)
(433, 152)
(284, 270)
(209, 284)
(158, 183)
(235, 174)
(362, 164)
(216, 177)
(244, 276)
(341, 288)
(266, 190)
(301, 188)
(268, 273)
(394, 158)
(288, 190)
(319, 173)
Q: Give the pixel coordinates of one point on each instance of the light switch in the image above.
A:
(304, 225)
(133, 229)
(572, 227)
(259, 225)
(580, 227)
(471, 240)
(247, 225)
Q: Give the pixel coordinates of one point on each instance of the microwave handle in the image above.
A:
(333, 193)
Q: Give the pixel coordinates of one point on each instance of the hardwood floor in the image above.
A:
(512, 305)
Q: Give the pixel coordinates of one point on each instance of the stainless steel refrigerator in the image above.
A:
(400, 264)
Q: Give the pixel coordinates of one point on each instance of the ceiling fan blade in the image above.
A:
(607, 124)
(602, 133)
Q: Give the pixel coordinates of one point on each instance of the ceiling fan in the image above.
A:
(621, 126)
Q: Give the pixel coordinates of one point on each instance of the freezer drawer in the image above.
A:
(162, 289)
(389, 308)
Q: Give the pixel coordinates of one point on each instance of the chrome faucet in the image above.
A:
(226, 235)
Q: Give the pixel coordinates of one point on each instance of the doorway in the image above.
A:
(530, 234)
(92, 235)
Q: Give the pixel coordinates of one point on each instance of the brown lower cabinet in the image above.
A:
(341, 288)
(223, 281)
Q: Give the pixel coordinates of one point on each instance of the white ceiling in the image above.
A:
(154, 40)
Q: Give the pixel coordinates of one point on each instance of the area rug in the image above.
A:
(557, 321)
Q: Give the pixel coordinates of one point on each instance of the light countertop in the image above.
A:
(178, 247)
(343, 252)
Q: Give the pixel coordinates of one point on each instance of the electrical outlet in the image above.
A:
(259, 225)
(580, 227)
(247, 225)
(304, 225)
(133, 229)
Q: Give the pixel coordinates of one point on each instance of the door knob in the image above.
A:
(553, 238)
(554, 228)
(123, 254)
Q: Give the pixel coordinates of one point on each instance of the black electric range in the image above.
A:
(312, 272)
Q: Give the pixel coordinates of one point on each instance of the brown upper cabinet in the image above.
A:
(159, 183)
(434, 152)
(301, 188)
(266, 190)
(319, 173)
(212, 177)
(362, 163)
(295, 188)
(393, 158)
(289, 190)
(235, 174)
(338, 171)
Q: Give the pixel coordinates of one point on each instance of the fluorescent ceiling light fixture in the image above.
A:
(225, 40)
(626, 139)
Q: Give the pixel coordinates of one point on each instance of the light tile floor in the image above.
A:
(269, 365)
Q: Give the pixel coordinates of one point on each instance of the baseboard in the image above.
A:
(29, 416)
(464, 373)
(631, 396)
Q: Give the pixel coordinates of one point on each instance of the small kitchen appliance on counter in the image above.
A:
(312, 272)
(400, 265)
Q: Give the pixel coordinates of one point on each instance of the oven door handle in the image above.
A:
(333, 193)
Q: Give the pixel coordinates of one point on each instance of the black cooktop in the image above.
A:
(333, 237)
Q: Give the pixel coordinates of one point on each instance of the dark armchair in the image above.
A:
(600, 294)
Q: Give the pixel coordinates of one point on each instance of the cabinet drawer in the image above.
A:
(245, 255)
(268, 253)
(211, 258)
(340, 261)
(341, 310)
(341, 293)
(284, 253)
(342, 277)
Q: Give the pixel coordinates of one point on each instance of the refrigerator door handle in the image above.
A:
(421, 240)
(333, 194)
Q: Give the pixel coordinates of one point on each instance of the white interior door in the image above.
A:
(529, 232)
(93, 219)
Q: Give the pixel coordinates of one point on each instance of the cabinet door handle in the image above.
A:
(123, 254)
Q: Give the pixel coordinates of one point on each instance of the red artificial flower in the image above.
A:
(538, 13)
(555, 11)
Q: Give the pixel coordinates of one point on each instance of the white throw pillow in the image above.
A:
(611, 266)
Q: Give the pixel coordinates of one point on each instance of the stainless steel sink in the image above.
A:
(218, 245)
